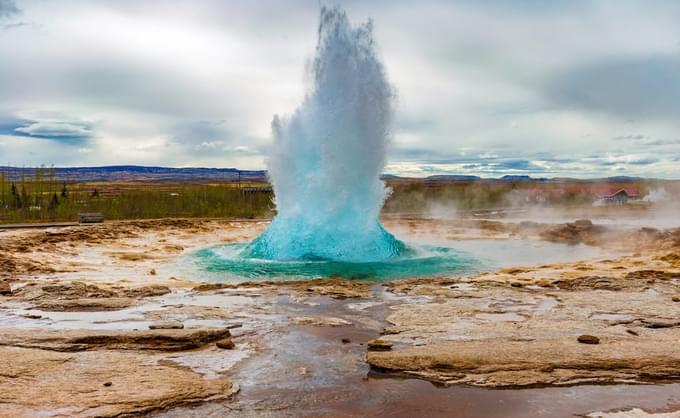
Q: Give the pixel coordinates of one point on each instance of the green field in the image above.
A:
(40, 197)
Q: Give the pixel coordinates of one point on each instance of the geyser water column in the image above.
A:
(327, 157)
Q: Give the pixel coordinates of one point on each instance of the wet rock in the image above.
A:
(85, 340)
(588, 339)
(208, 287)
(47, 383)
(336, 288)
(85, 305)
(167, 325)
(506, 363)
(320, 321)
(379, 345)
(225, 343)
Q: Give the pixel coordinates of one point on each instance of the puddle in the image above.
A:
(133, 318)
(214, 362)
(546, 305)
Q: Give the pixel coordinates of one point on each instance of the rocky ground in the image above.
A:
(98, 322)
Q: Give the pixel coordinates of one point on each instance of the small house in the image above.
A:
(618, 196)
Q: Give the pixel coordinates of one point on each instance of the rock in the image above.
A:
(5, 289)
(64, 290)
(346, 341)
(544, 282)
(225, 343)
(675, 298)
(85, 305)
(583, 223)
(167, 325)
(660, 323)
(85, 340)
(131, 256)
(32, 316)
(582, 230)
(503, 363)
(631, 332)
(588, 339)
(147, 291)
(379, 345)
(152, 272)
(320, 321)
(46, 383)
(208, 287)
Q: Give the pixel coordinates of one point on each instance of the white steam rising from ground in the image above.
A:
(659, 195)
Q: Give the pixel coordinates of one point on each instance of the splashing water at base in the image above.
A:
(325, 167)
(327, 157)
(413, 262)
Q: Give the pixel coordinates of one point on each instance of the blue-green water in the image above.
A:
(229, 262)
(325, 163)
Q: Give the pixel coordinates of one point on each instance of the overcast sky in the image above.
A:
(546, 88)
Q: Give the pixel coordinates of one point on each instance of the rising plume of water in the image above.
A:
(327, 157)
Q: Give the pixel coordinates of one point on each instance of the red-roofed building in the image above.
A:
(617, 196)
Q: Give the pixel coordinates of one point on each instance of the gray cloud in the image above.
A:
(643, 87)
(559, 87)
(8, 9)
(66, 132)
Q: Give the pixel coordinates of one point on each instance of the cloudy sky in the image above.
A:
(546, 88)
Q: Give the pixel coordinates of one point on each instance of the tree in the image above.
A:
(54, 203)
(64, 191)
(95, 194)
(16, 199)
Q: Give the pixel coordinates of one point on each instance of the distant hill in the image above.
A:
(120, 173)
(453, 177)
(139, 173)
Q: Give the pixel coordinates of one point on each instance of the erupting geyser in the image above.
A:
(326, 160)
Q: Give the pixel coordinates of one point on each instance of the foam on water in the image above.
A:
(415, 261)
(327, 157)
